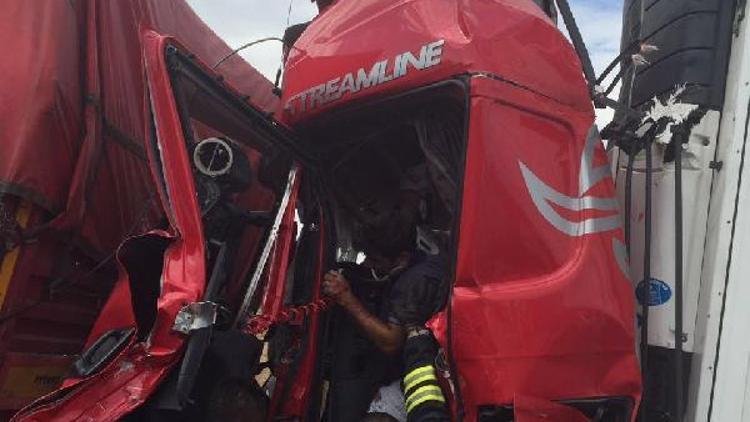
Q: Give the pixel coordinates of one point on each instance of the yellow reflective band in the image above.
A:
(437, 398)
(418, 372)
(8, 264)
(417, 381)
(423, 394)
(425, 397)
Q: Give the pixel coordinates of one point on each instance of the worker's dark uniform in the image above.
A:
(408, 298)
(425, 401)
(417, 294)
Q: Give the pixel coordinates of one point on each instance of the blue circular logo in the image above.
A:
(659, 292)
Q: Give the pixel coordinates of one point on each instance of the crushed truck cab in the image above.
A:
(489, 99)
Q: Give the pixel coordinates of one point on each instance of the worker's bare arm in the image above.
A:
(387, 337)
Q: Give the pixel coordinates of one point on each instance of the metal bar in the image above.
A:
(200, 339)
(265, 254)
(678, 279)
(646, 280)
(629, 198)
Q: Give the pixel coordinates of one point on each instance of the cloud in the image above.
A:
(241, 21)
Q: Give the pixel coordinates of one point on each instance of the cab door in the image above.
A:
(228, 178)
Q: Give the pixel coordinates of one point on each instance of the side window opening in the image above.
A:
(239, 174)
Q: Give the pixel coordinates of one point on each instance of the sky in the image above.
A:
(241, 21)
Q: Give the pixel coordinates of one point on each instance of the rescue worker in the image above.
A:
(418, 287)
(418, 281)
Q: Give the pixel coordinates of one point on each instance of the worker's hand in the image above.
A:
(337, 286)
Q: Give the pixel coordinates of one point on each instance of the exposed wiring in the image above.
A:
(598, 96)
(617, 79)
(578, 43)
(244, 46)
(289, 13)
(280, 70)
(631, 49)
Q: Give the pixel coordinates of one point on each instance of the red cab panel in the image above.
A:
(542, 305)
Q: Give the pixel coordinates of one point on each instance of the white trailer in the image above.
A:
(704, 52)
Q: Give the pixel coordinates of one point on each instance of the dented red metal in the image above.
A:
(537, 311)
(127, 381)
(512, 39)
(73, 155)
(540, 305)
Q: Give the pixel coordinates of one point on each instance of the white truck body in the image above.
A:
(716, 230)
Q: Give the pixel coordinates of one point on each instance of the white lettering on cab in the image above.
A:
(363, 78)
